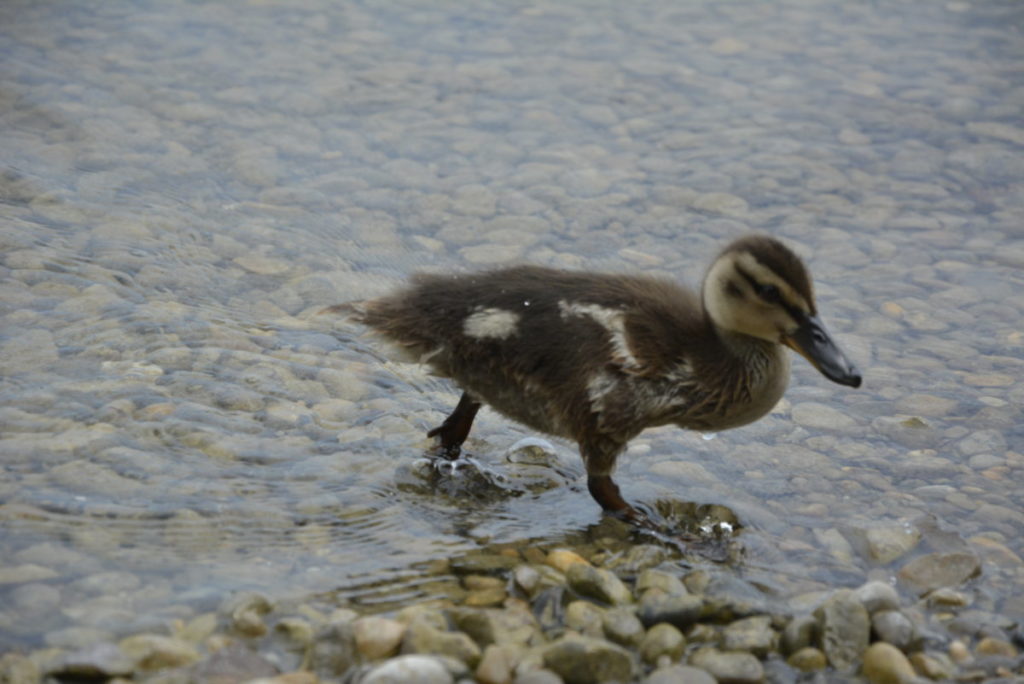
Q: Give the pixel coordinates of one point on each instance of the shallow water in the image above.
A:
(185, 186)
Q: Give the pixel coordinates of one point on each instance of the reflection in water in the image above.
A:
(185, 186)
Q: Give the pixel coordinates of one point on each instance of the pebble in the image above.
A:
(845, 629)
(377, 637)
(582, 660)
(886, 664)
(893, 627)
(156, 652)
(936, 570)
(738, 668)
(807, 659)
(662, 640)
(821, 416)
(409, 669)
(753, 635)
(598, 583)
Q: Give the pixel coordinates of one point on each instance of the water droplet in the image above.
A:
(708, 436)
(526, 303)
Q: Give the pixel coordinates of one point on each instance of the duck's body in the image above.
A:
(597, 358)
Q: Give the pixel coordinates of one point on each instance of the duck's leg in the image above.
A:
(455, 428)
(606, 492)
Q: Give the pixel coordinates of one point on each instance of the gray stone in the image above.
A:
(538, 676)
(736, 668)
(936, 570)
(845, 629)
(800, 632)
(821, 417)
(16, 668)
(409, 669)
(99, 661)
(893, 627)
(661, 580)
(598, 583)
(886, 544)
(514, 625)
(681, 610)
(662, 640)
(422, 637)
(876, 596)
(586, 618)
(753, 635)
(622, 626)
(584, 660)
(233, 663)
(156, 652)
(679, 674)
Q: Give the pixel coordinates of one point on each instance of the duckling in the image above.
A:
(597, 358)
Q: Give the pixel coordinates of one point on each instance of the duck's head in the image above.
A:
(757, 286)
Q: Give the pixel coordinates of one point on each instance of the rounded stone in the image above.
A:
(845, 629)
(877, 595)
(739, 668)
(409, 669)
(753, 635)
(662, 640)
(377, 637)
(936, 570)
(808, 659)
(679, 674)
(598, 583)
(893, 627)
(583, 660)
(886, 664)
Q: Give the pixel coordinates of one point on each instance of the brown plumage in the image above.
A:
(597, 358)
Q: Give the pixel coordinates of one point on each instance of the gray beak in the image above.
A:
(813, 342)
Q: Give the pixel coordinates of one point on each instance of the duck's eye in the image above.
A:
(769, 293)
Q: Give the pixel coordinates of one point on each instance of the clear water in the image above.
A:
(185, 186)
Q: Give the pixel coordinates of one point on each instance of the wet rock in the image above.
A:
(334, 648)
(800, 632)
(28, 572)
(663, 581)
(515, 625)
(246, 611)
(989, 646)
(377, 637)
(155, 652)
(422, 637)
(622, 626)
(679, 674)
(497, 664)
(582, 660)
(585, 618)
(936, 570)
(598, 583)
(562, 559)
(526, 578)
(893, 627)
(16, 668)
(845, 629)
(808, 659)
(233, 663)
(638, 559)
(662, 640)
(886, 664)
(100, 661)
(680, 610)
(886, 544)
(409, 669)
(753, 635)
(538, 676)
(877, 596)
(821, 417)
(737, 668)
(934, 666)
(946, 597)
